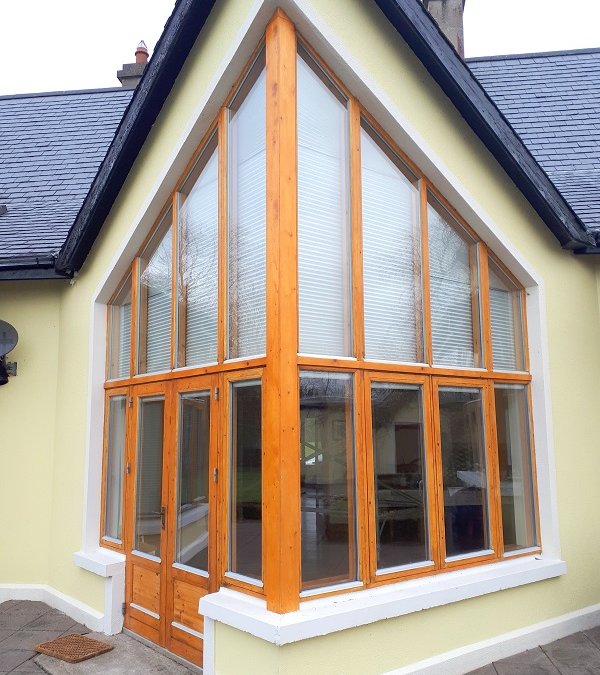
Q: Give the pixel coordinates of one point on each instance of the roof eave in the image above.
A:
(30, 267)
(181, 31)
(450, 72)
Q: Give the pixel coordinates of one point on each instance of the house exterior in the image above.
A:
(308, 385)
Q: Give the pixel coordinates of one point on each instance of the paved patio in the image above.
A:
(577, 654)
(25, 624)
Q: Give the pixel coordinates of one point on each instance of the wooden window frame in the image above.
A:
(279, 369)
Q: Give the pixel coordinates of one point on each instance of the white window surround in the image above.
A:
(391, 600)
(349, 610)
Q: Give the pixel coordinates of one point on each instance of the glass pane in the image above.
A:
(156, 265)
(391, 255)
(327, 474)
(149, 477)
(120, 333)
(399, 459)
(507, 322)
(245, 538)
(191, 539)
(247, 217)
(464, 470)
(454, 280)
(323, 223)
(199, 261)
(514, 459)
(115, 456)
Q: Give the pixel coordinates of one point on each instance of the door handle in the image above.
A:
(163, 516)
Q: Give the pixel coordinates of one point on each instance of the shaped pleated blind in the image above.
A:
(455, 322)
(391, 256)
(247, 222)
(507, 329)
(120, 333)
(124, 340)
(198, 282)
(323, 224)
(155, 310)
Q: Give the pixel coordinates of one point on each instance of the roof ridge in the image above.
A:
(533, 55)
(65, 92)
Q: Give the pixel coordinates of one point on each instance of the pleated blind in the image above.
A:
(507, 330)
(247, 224)
(198, 221)
(120, 332)
(391, 257)
(323, 223)
(124, 340)
(454, 315)
(155, 282)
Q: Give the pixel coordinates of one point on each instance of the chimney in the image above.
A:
(132, 72)
(448, 15)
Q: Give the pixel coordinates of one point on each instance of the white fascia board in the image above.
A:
(341, 612)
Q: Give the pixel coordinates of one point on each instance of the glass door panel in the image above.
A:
(149, 512)
(191, 536)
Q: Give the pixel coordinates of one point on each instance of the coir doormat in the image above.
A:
(73, 648)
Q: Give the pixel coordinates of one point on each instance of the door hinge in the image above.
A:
(163, 516)
(123, 606)
(216, 475)
(130, 402)
(128, 468)
(216, 393)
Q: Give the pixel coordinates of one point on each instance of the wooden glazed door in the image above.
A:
(171, 472)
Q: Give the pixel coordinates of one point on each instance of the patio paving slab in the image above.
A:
(128, 656)
(574, 655)
(28, 639)
(531, 662)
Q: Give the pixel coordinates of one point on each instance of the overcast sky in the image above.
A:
(50, 45)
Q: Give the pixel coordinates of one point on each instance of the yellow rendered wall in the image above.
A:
(27, 425)
(55, 479)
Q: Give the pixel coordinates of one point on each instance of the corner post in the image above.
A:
(281, 465)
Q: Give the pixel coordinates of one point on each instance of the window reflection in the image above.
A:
(245, 540)
(464, 470)
(148, 526)
(514, 459)
(327, 479)
(399, 474)
(192, 493)
(115, 456)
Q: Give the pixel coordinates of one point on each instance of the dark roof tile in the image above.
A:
(51, 146)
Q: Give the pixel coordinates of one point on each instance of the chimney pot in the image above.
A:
(141, 53)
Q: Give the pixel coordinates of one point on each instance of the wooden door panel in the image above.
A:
(145, 588)
(186, 598)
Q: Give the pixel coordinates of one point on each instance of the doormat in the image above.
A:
(73, 648)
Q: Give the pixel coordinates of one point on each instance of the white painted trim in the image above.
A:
(72, 607)
(208, 651)
(143, 610)
(341, 612)
(465, 659)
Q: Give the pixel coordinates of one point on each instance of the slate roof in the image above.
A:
(51, 146)
(552, 100)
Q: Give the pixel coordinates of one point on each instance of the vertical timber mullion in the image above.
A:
(222, 247)
(281, 466)
(425, 278)
(484, 294)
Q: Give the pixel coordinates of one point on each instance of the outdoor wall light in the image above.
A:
(8, 339)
